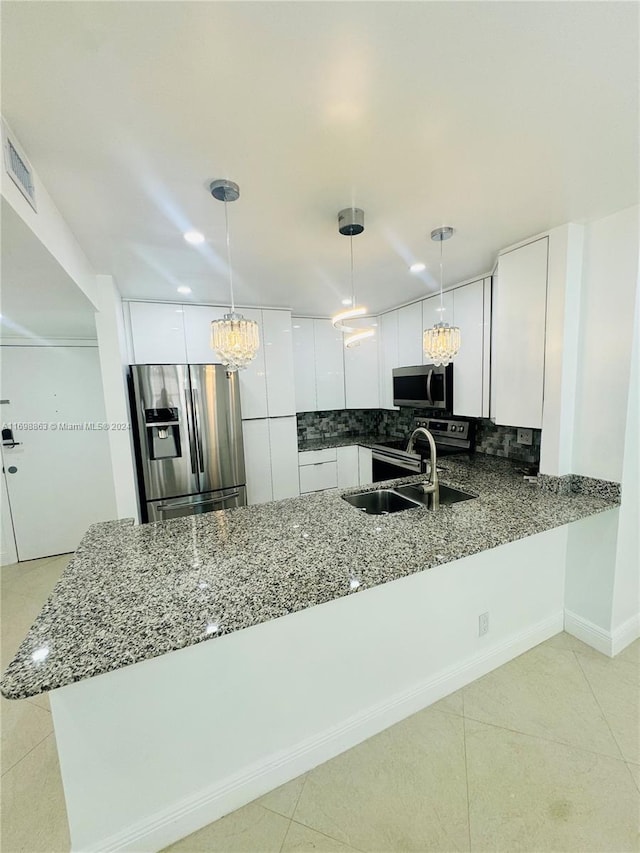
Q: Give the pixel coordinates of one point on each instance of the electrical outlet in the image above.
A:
(483, 624)
(525, 436)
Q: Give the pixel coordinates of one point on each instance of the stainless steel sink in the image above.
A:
(385, 501)
(448, 495)
(380, 502)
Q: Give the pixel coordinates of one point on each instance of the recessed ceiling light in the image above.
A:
(184, 289)
(193, 237)
(417, 267)
(346, 302)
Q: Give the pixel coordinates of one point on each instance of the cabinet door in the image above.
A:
(365, 466)
(253, 379)
(197, 328)
(329, 366)
(257, 460)
(315, 478)
(519, 307)
(283, 442)
(433, 313)
(304, 365)
(468, 304)
(278, 356)
(388, 349)
(410, 335)
(158, 333)
(361, 375)
(348, 475)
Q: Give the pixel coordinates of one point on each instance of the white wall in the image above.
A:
(610, 272)
(626, 592)
(113, 363)
(52, 231)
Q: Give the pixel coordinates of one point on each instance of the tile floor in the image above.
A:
(540, 755)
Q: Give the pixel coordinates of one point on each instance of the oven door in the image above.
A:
(385, 467)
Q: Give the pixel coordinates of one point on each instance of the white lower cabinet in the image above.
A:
(271, 459)
(365, 466)
(318, 470)
(348, 467)
(341, 467)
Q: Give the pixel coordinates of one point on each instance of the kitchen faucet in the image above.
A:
(431, 487)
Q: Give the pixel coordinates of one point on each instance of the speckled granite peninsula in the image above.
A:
(133, 593)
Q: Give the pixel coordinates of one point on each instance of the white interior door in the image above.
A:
(59, 475)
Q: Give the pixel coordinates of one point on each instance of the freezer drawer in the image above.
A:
(196, 504)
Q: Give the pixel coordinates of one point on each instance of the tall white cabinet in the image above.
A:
(518, 333)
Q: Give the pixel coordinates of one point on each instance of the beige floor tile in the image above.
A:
(616, 685)
(527, 794)
(251, 829)
(631, 654)
(23, 726)
(452, 704)
(635, 772)
(41, 700)
(543, 692)
(402, 790)
(38, 580)
(33, 812)
(283, 800)
(301, 839)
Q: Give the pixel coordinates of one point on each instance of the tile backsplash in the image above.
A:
(490, 439)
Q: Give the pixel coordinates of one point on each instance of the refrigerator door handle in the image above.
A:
(169, 507)
(196, 427)
(191, 443)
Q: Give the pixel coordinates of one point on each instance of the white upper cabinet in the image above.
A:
(276, 334)
(158, 333)
(432, 313)
(389, 358)
(329, 366)
(518, 335)
(197, 331)
(410, 335)
(362, 386)
(257, 460)
(304, 365)
(468, 364)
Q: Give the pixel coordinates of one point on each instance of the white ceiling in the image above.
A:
(501, 119)
(39, 300)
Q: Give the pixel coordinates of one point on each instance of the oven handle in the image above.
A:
(429, 379)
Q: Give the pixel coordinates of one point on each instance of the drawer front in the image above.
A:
(322, 475)
(313, 457)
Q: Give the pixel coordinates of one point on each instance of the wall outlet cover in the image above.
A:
(483, 624)
(525, 436)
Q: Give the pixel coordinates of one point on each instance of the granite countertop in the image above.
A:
(131, 593)
(338, 441)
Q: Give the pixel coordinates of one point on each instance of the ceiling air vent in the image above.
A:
(18, 167)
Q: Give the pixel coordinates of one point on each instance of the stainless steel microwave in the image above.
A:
(424, 386)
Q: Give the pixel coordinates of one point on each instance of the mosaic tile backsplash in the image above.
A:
(490, 439)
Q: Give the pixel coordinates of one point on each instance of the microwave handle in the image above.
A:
(429, 378)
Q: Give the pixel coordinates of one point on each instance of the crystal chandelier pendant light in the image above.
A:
(351, 223)
(235, 339)
(441, 342)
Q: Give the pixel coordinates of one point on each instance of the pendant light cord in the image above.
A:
(353, 289)
(441, 297)
(226, 220)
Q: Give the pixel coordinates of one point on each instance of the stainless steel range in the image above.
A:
(390, 458)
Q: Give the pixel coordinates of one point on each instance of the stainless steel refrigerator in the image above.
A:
(190, 455)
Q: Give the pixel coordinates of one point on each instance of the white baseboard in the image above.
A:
(588, 632)
(625, 634)
(209, 804)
